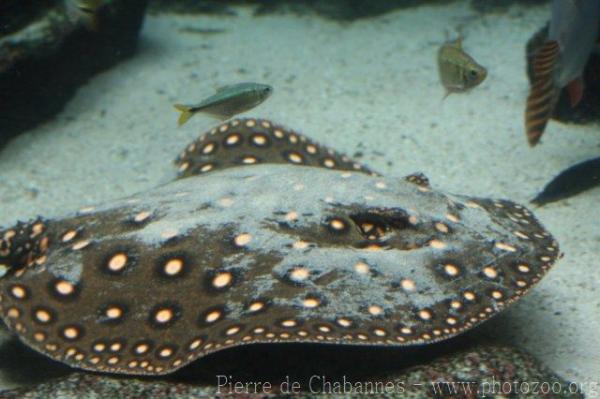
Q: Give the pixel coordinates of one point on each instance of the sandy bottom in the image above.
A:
(368, 87)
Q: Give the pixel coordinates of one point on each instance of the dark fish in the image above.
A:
(570, 182)
(268, 238)
(228, 101)
(560, 61)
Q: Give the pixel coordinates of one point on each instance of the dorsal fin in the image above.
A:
(242, 142)
(545, 59)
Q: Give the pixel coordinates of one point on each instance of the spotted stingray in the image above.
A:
(265, 237)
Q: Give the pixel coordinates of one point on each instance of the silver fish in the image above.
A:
(458, 71)
(560, 62)
(227, 101)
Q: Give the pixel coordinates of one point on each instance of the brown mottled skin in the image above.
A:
(266, 238)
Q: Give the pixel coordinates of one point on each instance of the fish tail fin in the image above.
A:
(543, 94)
(186, 113)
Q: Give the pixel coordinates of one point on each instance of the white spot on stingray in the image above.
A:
(81, 245)
(344, 322)
(300, 245)
(213, 316)
(242, 239)
(437, 244)
(441, 227)
(329, 163)
(375, 310)
(169, 233)
(184, 166)
(291, 216)
(472, 204)
(173, 267)
(408, 284)
(490, 272)
(64, 287)
(140, 217)
(452, 218)
(425, 314)
(299, 273)
(208, 148)
(505, 247)
(361, 268)
(256, 306)
(451, 270)
(117, 262)
(288, 323)
(206, 168)
(311, 302)
(524, 268)
(222, 280)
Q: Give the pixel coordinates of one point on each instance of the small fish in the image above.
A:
(571, 181)
(84, 12)
(459, 72)
(560, 62)
(227, 101)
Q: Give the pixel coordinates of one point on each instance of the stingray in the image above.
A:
(265, 237)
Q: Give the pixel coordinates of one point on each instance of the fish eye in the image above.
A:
(473, 73)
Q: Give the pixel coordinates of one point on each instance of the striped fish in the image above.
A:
(544, 93)
(560, 61)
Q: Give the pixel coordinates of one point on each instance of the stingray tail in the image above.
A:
(543, 94)
(186, 113)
